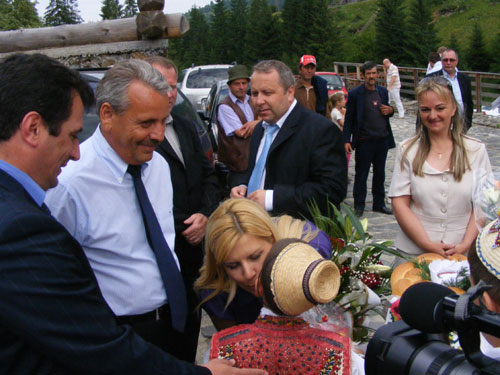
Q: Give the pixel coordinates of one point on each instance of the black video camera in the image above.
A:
(418, 344)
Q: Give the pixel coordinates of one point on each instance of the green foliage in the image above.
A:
(219, 32)
(129, 9)
(421, 34)
(391, 35)
(238, 21)
(62, 12)
(195, 45)
(495, 46)
(477, 57)
(111, 9)
(262, 39)
(18, 14)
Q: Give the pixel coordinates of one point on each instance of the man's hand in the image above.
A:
(348, 148)
(386, 110)
(196, 230)
(238, 192)
(226, 367)
(258, 196)
(246, 129)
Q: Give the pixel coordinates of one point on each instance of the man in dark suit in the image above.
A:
(296, 155)
(196, 195)
(459, 82)
(368, 131)
(54, 319)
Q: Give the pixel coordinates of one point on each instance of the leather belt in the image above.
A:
(160, 313)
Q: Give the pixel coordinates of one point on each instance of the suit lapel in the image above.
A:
(287, 129)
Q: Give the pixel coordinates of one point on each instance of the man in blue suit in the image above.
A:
(53, 318)
(368, 131)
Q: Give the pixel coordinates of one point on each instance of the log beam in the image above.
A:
(120, 30)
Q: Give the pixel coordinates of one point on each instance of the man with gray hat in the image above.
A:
(236, 120)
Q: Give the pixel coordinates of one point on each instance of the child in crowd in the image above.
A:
(336, 106)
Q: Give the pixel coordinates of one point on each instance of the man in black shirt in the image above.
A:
(368, 131)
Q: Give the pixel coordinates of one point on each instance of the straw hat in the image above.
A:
(488, 247)
(295, 278)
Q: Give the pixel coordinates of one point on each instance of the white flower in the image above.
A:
(492, 195)
(378, 268)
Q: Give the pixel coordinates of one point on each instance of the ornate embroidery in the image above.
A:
(496, 228)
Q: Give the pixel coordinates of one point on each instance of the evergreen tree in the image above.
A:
(421, 34)
(477, 57)
(293, 31)
(62, 12)
(196, 41)
(111, 9)
(129, 9)
(262, 40)
(219, 34)
(453, 44)
(18, 14)
(390, 34)
(238, 18)
(495, 64)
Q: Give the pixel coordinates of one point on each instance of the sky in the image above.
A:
(90, 9)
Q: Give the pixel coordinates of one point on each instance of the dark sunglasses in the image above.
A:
(449, 60)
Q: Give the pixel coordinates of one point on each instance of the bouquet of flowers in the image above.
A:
(364, 279)
(486, 197)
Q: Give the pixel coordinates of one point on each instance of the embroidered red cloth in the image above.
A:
(284, 345)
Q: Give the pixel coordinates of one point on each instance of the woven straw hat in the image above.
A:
(295, 278)
(488, 247)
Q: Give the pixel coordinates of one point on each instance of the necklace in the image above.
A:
(440, 156)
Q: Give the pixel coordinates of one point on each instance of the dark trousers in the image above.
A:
(368, 153)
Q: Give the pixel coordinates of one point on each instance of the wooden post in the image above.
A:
(120, 30)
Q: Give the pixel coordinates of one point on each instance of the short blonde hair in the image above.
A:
(233, 219)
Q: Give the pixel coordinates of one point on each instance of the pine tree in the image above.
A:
(111, 9)
(421, 34)
(18, 14)
(62, 12)
(196, 41)
(238, 20)
(129, 9)
(293, 31)
(477, 57)
(453, 44)
(495, 64)
(262, 39)
(390, 34)
(219, 34)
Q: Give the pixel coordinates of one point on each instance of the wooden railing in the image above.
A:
(486, 86)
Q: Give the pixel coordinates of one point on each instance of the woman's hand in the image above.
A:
(461, 248)
(438, 248)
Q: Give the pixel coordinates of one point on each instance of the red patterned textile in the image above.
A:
(284, 345)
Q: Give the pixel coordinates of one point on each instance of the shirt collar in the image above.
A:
(33, 189)
(283, 118)
(447, 76)
(115, 163)
(234, 99)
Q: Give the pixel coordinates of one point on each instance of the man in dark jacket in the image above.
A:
(310, 90)
(459, 82)
(196, 195)
(368, 131)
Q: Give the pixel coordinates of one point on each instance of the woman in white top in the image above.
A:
(431, 187)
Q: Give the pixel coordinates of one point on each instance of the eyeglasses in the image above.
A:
(449, 60)
(437, 79)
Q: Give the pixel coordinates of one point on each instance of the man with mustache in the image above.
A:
(96, 201)
(368, 131)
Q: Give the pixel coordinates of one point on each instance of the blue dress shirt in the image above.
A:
(96, 201)
(33, 189)
(228, 119)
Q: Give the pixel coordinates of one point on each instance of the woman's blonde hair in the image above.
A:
(459, 162)
(233, 219)
(334, 99)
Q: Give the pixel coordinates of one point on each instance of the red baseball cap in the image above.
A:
(307, 59)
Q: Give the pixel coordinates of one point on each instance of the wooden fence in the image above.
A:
(486, 86)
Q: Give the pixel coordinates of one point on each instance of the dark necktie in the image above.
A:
(170, 274)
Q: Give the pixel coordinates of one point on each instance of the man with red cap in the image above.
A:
(310, 90)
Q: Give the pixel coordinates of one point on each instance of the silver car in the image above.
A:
(197, 81)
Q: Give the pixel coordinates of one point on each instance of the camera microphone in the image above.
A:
(433, 308)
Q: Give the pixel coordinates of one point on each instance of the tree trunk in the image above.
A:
(119, 30)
